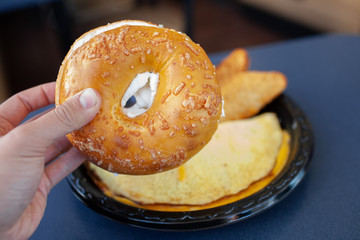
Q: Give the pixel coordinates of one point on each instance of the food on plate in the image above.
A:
(161, 101)
(244, 155)
(236, 62)
(240, 153)
(246, 93)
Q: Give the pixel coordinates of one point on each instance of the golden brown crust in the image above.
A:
(182, 118)
(236, 62)
(246, 93)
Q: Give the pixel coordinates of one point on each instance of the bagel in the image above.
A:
(178, 99)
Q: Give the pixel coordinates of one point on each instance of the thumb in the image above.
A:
(73, 114)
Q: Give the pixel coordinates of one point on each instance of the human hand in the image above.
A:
(36, 155)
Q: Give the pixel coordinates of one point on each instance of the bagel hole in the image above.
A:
(140, 95)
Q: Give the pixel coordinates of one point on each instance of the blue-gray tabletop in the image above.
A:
(324, 80)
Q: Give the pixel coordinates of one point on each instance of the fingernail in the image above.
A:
(88, 98)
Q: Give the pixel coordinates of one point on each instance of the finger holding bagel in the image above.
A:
(178, 100)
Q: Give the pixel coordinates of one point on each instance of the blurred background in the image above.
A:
(36, 34)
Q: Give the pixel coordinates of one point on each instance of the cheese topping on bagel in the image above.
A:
(89, 35)
(161, 100)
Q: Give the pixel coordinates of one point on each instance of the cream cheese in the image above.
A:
(143, 88)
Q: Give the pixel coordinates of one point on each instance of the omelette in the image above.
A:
(240, 153)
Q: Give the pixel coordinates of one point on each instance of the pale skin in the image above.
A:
(36, 155)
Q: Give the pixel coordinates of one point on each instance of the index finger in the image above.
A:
(14, 110)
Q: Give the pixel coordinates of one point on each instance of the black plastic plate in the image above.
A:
(292, 119)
